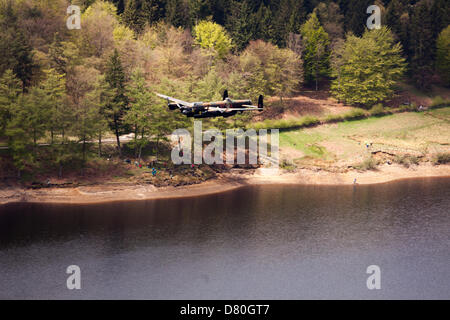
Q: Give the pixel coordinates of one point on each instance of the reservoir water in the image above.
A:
(256, 242)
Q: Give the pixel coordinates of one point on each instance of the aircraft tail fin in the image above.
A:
(261, 101)
(225, 94)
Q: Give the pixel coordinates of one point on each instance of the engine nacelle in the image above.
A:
(172, 106)
(189, 112)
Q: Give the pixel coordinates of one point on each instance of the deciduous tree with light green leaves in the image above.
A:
(212, 36)
(369, 67)
(54, 89)
(267, 69)
(10, 88)
(443, 55)
(27, 123)
(141, 114)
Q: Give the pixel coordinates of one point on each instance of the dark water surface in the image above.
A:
(271, 241)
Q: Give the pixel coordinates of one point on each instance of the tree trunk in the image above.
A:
(84, 156)
(135, 141)
(157, 147)
(60, 170)
(317, 80)
(116, 128)
(140, 146)
(84, 150)
(140, 152)
(35, 142)
(100, 144)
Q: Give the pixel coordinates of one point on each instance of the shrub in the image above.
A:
(367, 164)
(377, 110)
(308, 121)
(408, 107)
(442, 158)
(406, 160)
(331, 118)
(287, 165)
(354, 114)
(438, 101)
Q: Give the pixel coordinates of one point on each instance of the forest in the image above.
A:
(63, 89)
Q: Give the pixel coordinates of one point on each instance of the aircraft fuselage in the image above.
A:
(206, 109)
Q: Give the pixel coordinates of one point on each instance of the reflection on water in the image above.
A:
(275, 242)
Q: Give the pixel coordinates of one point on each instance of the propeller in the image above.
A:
(261, 101)
(225, 94)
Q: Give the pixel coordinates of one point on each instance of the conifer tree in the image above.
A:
(115, 110)
(443, 55)
(240, 24)
(177, 13)
(20, 133)
(54, 90)
(316, 52)
(133, 15)
(356, 16)
(10, 88)
(15, 49)
(263, 23)
(421, 40)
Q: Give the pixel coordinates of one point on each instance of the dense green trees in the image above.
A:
(139, 13)
(368, 68)
(443, 55)
(269, 70)
(421, 44)
(316, 50)
(15, 50)
(10, 88)
(116, 108)
(70, 88)
(141, 113)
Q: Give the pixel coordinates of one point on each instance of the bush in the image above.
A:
(438, 101)
(368, 164)
(285, 124)
(377, 110)
(332, 118)
(442, 158)
(287, 165)
(308, 121)
(354, 114)
(408, 107)
(406, 160)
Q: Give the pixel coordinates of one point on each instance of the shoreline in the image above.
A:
(105, 193)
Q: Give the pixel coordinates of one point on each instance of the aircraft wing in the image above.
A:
(177, 101)
(234, 109)
(251, 107)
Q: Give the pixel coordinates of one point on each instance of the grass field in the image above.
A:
(418, 134)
